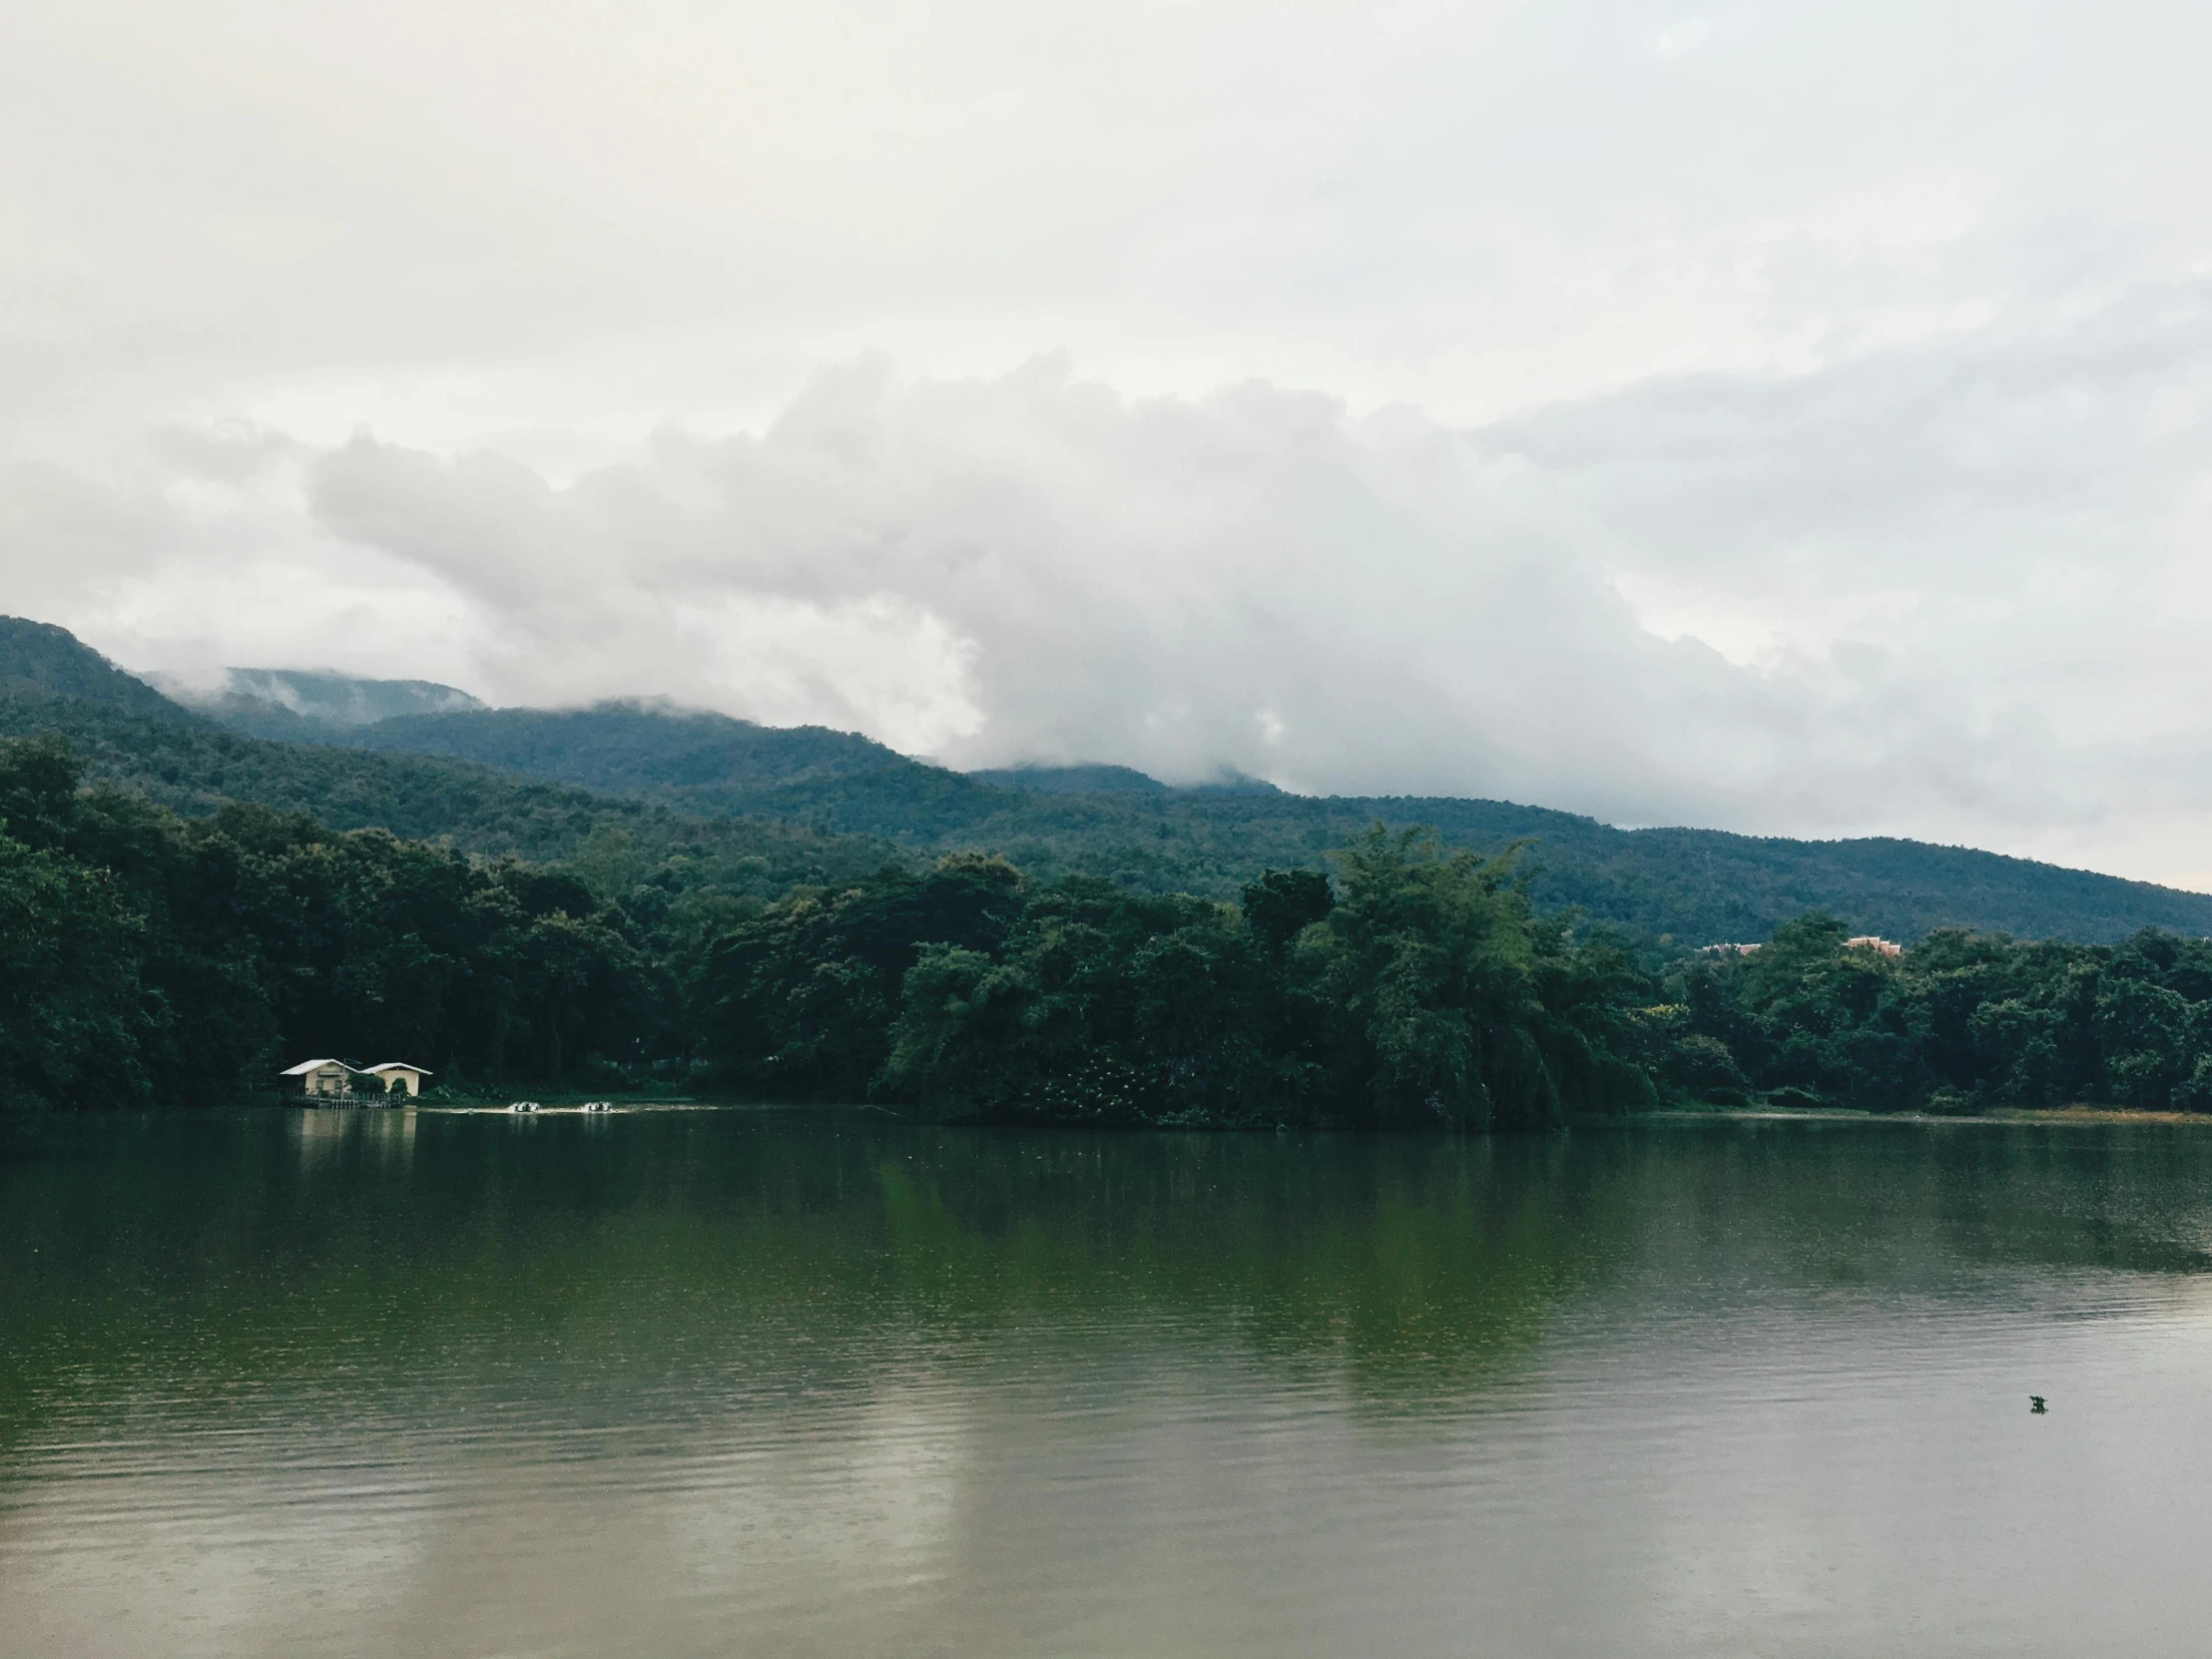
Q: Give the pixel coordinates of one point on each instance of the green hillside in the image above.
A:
(37, 657)
(1692, 887)
(195, 769)
(634, 748)
(657, 782)
(1097, 780)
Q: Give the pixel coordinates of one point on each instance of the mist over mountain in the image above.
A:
(303, 705)
(543, 780)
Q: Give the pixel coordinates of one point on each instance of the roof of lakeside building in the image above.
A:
(399, 1065)
(306, 1066)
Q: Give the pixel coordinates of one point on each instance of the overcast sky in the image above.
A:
(1781, 417)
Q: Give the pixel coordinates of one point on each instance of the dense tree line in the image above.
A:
(1424, 992)
(148, 956)
(1960, 1022)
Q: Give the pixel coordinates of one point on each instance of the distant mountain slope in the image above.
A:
(1094, 780)
(42, 658)
(810, 803)
(306, 705)
(640, 748)
(196, 767)
(1112, 779)
(1692, 885)
(1703, 886)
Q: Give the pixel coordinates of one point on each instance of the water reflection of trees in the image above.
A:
(760, 1253)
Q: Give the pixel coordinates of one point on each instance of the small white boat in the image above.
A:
(599, 1105)
(523, 1106)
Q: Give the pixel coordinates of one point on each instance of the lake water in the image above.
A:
(725, 1382)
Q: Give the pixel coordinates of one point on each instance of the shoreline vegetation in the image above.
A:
(151, 959)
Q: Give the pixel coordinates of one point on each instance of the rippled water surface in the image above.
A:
(708, 1383)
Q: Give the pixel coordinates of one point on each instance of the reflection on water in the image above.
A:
(399, 1381)
(382, 1135)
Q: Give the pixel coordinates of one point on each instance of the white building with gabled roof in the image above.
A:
(399, 1075)
(323, 1076)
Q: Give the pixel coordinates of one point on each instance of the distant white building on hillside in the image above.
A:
(1868, 941)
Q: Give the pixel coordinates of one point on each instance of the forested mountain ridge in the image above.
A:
(1693, 886)
(195, 769)
(635, 747)
(811, 799)
(39, 658)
